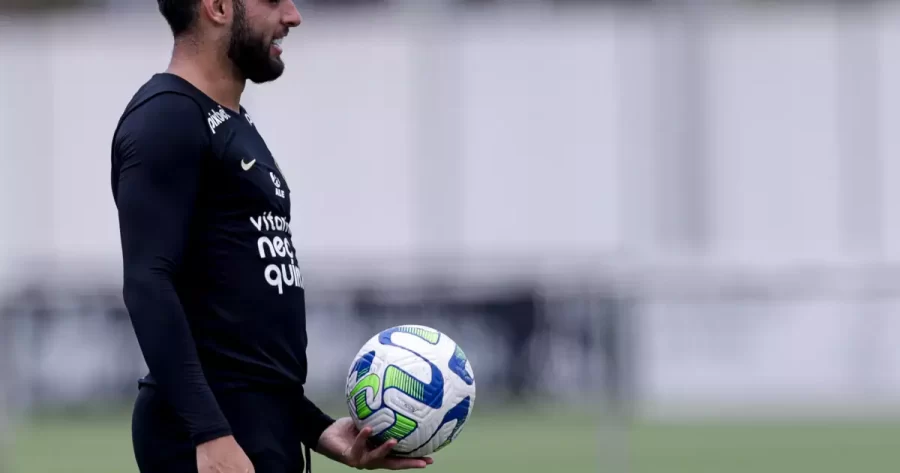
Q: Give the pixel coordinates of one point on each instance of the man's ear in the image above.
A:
(217, 11)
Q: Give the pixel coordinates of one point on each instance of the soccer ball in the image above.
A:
(414, 384)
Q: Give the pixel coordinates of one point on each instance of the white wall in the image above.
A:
(774, 136)
(888, 37)
(546, 132)
(542, 136)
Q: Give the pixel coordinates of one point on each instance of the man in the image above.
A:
(210, 278)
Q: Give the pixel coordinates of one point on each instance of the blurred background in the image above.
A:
(666, 233)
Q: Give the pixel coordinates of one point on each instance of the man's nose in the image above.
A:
(292, 17)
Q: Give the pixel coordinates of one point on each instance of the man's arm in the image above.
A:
(314, 423)
(158, 152)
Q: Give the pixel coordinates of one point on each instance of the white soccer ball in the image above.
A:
(414, 384)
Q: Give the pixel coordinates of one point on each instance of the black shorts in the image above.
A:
(263, 424)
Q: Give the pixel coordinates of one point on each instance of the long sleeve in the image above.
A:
(314, 422)
(157, 156)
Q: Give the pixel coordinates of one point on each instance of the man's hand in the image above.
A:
(222, 455)
(342, 442)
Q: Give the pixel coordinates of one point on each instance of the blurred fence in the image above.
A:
(678, 206)
(681, 340)
(75, 345)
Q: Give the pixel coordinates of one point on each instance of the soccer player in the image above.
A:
(211, 278)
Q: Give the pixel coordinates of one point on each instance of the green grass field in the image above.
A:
(525, 441)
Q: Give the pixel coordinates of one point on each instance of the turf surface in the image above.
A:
(526, 441)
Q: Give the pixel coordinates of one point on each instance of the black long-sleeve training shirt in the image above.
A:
(211, 280)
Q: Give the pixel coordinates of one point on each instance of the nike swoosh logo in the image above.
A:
(247, 166)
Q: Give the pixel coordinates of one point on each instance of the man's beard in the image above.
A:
(250, 54)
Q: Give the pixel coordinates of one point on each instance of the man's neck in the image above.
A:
(212, 73)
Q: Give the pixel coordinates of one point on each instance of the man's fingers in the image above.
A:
(382, 451)
(359, 445)
(362, 438)
(405, 463)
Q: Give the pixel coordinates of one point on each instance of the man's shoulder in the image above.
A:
(166, 108)
(168, 95)
(164, 115)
